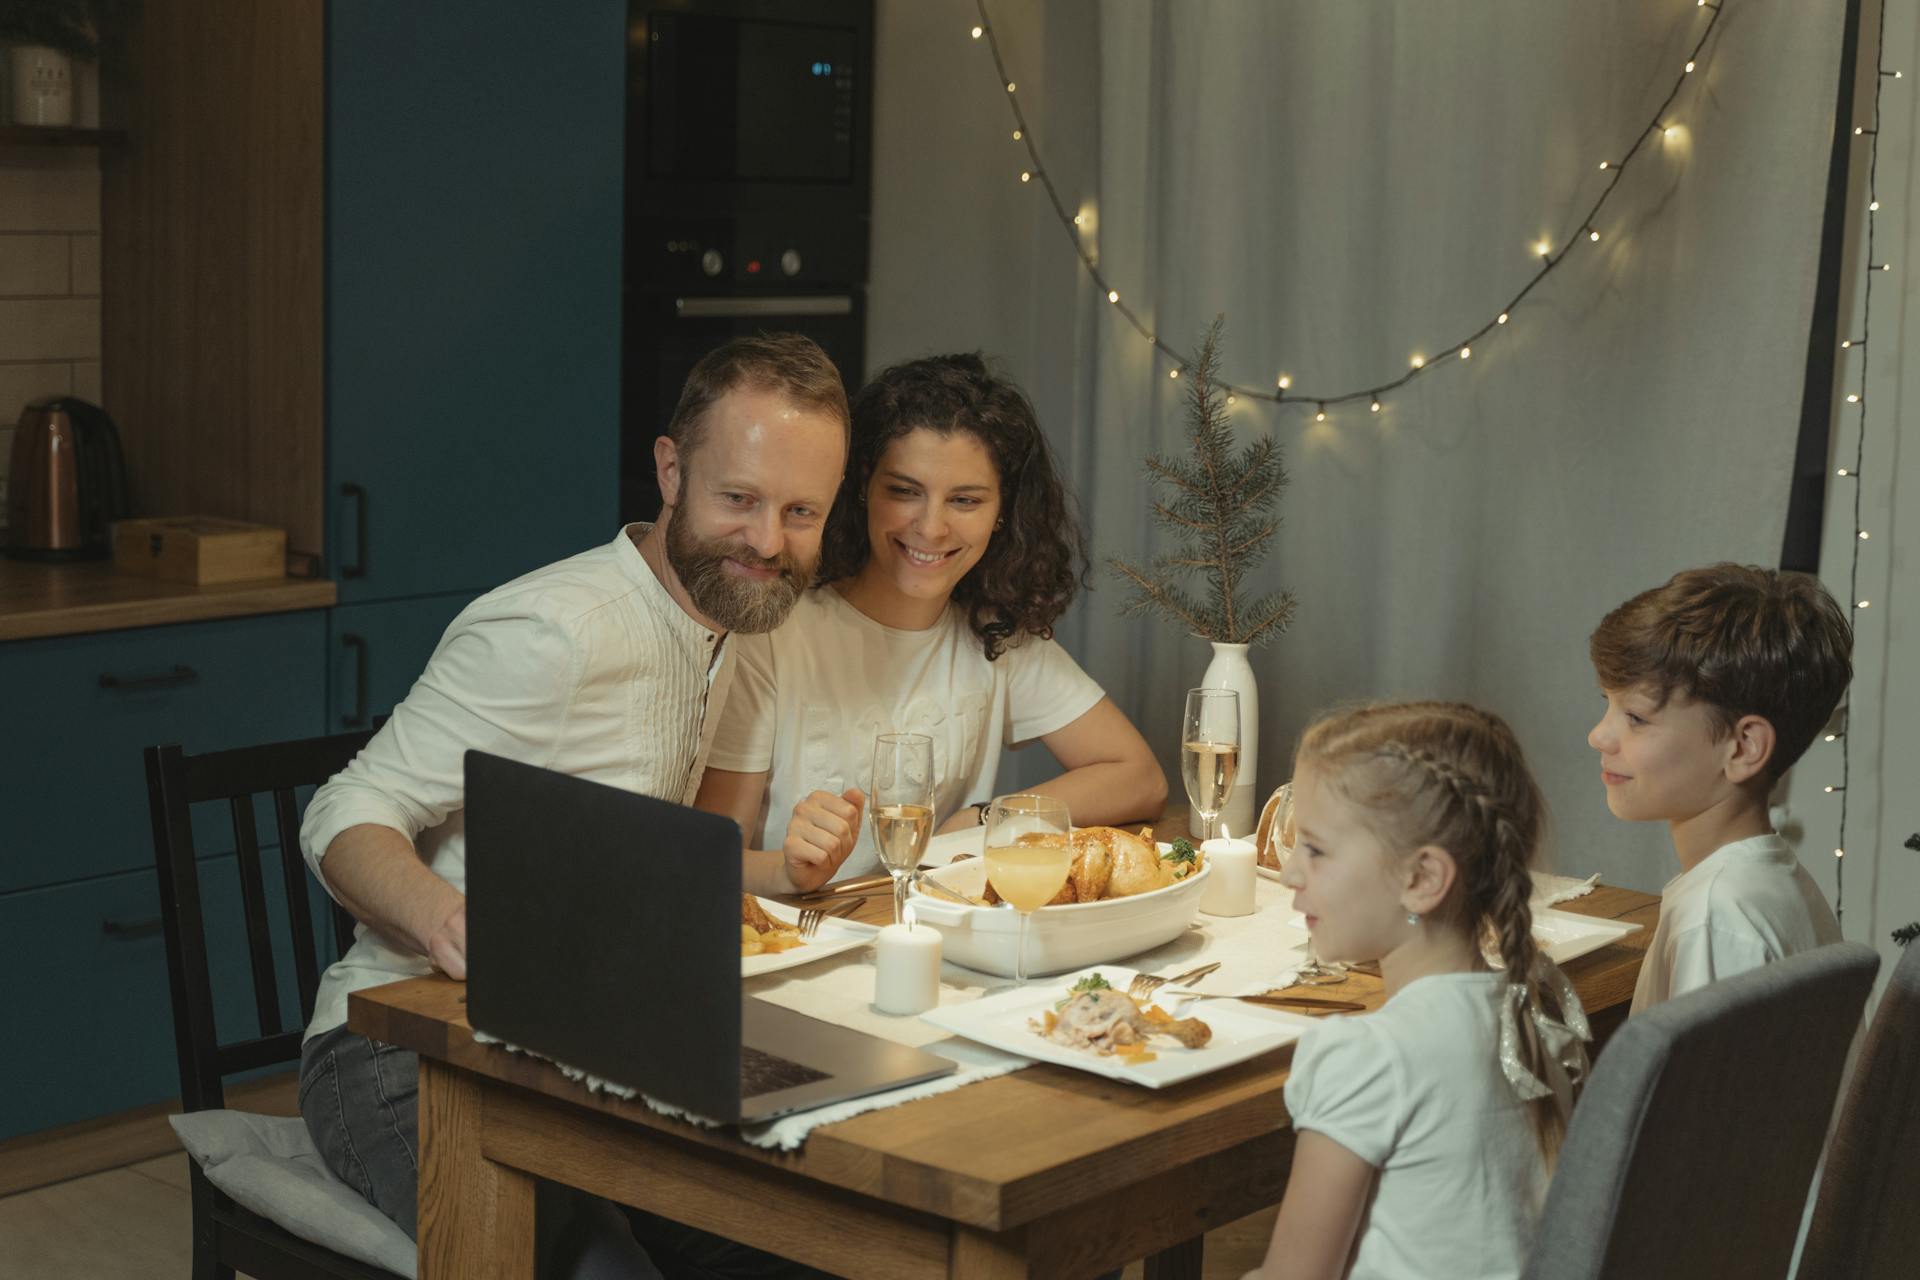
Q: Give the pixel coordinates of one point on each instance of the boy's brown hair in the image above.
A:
(1740, 639)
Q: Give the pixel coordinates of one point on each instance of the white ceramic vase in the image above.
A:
(42, 85)
(1231, 670)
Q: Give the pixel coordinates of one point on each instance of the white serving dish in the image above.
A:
(835, 936)
(1239, 1031)
(1058, 938)
(1563, 935)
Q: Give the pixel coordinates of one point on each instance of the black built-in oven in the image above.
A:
(749, 133)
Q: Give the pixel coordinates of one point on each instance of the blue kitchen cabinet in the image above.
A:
(376, 653)
(473, 222)
(87, 997)
(81, 709)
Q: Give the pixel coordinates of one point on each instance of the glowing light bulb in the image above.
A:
(1689, 66)
(1419, 362)
(1863, 535)
(1374, 407)
(1842, 471)
(1852, 398)
(1026, 176)
(1543, 248)
(1079, 219)
(1846, 344)
(1832, 736)
(978, 32)
(1501, 318)
(1606, 164)
(1284, 381)
(1864, 603)
(1016, 135)
(1173, 373)
(1839, 853)
(1232, 400)
(1466, 353)
(1670, 132)
(1873, 206)
(1113, 295)
(1593, 235)
(1829, 790)
(1009, 86)
(1857, 131)
(1321, 416)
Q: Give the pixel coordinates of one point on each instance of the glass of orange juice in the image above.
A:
(1029, 853)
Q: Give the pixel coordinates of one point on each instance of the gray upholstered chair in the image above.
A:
(1866, 1223)
(1691, 1151)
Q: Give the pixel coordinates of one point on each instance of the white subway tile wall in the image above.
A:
(49, 282)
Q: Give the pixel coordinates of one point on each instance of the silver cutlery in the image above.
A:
(1145, 984)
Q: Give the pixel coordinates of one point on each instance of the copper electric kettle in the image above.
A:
(67, 484)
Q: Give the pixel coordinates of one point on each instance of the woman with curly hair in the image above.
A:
(950, 553)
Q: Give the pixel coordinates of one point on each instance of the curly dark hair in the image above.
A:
(1036, 560)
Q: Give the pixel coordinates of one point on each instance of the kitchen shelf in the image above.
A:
(33, 135)
(39, 600)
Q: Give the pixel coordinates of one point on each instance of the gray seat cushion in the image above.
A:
(269, 1164)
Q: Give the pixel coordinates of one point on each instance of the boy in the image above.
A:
(1715, 684)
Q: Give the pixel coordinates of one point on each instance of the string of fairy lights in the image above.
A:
(1857, 398)
(1662, 125)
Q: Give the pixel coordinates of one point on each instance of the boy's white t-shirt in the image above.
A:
(809, 698)
(1745, 904)
(1415, 1089)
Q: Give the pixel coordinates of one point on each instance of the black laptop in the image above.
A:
(603, 931)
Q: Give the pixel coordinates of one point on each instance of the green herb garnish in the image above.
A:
(1185, 857)
(1092, 982)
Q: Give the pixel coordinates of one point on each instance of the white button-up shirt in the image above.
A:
(587, 666)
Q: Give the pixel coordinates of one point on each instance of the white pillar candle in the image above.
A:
(1229, 890)
(906, 968)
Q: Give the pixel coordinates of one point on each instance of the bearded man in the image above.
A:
(611, 665)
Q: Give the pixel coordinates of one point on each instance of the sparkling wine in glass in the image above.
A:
(1029, 853)
(1314, 973)
(901, 801)
(1210, 751)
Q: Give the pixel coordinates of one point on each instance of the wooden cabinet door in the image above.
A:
(474, 210)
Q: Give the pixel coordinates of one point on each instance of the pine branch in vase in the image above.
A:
(1216, 500)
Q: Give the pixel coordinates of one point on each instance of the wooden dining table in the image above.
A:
(1045, 1172)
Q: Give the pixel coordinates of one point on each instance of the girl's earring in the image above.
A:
(1412, 918)
(1001, 523)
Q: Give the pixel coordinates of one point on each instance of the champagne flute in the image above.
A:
(1210, 751)
(1314, 973)
(902, 802)
(1029, 853)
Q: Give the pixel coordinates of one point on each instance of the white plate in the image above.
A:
(834, 937)
(1567, 935)
(1239, 1031)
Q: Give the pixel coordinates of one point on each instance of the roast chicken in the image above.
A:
(1108, 863)
(1107, 1021)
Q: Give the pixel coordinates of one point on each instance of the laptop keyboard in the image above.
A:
(762, 1073)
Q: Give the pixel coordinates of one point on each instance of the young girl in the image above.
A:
(950, 553)
(1427, 1130)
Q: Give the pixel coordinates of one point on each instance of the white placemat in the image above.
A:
(1257, 952)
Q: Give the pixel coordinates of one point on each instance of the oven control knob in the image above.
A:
(790, 262)
(712, 263)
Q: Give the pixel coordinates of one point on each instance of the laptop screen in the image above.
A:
(603, 931)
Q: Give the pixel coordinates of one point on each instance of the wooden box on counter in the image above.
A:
(203, 550)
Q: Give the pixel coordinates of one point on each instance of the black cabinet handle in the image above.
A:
(127, 930)
(359, 646)
(168, 680)
(358, 569)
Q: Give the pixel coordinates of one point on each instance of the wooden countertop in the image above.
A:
(67, 599)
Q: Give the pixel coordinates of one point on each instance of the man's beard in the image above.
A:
(733, 602)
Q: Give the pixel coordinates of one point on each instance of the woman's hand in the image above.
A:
(824, 830)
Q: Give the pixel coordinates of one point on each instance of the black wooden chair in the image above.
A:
(226, 1235)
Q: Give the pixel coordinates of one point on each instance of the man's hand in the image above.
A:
(447, 944)
(824, 829)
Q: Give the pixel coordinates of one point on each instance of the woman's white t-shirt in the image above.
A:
(1415, 1089)
(809, 698)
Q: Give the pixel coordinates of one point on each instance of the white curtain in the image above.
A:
(1353, 184)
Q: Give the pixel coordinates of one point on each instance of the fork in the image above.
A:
(1145, 984)
(811, 918)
